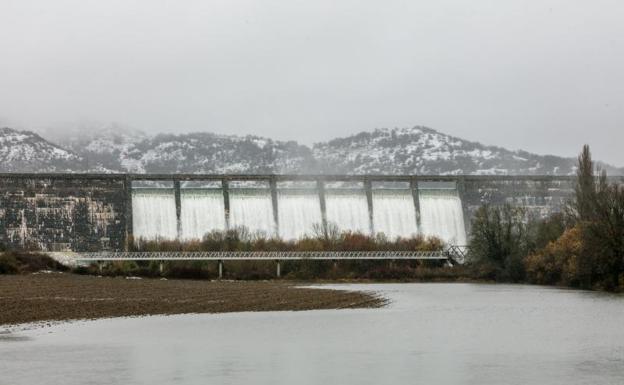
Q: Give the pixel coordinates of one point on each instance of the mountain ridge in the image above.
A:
(417, 150)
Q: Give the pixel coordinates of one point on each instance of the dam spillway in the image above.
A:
(154, 214)
(92, 212)
(201, 212)
(296, 213)
(348, 211)
(442, 215)
(394, 213)
(252, 210)
(299, 214)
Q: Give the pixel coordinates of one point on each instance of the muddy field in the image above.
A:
(58, 296)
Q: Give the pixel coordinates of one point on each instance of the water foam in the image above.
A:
(253, 209)
(202, 211)
(441, 215)
(348, 211)
(299, 214)
(154, 214)
(394, 214)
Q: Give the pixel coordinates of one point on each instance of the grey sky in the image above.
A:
(541, 75)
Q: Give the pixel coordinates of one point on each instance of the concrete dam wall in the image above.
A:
(58, 212)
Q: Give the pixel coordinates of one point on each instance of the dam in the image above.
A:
(104, 212)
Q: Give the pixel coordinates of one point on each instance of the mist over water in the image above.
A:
(202, 211)
(154, 214)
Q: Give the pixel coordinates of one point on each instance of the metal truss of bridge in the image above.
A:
(261, 255)
(451, 256)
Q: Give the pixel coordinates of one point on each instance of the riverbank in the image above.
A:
(63, 296)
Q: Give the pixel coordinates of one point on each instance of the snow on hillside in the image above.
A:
(418, 150)
(421, 150)
(27, 151)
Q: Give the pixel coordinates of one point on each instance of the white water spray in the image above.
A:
(348, 211)
(442, 215)
(252, 209)
(299, 213)
(394, 213)
(154, 214)
(202, 211)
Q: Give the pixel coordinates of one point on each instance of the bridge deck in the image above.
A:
(260, 255)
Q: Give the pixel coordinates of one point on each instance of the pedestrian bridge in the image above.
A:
(453, 255)
(259, 255)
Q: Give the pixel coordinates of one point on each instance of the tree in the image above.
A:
(598, 210)
(585, 189)
(499, 241)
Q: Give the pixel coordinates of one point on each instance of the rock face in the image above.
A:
(417, 150)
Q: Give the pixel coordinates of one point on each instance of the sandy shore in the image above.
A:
(57, 297)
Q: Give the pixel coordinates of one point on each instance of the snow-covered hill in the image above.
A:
(417, 150)
(421, 150)
(25, 151)
(124, 150)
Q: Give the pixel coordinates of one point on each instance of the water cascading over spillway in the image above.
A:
(253, 209)
(202, 211)
(154, 214)
(441, 215)
(299, 214)
(394, 213)
(348, 210)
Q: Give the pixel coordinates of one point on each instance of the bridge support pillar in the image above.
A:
(278, 269)
(161, 268)
(220, 269)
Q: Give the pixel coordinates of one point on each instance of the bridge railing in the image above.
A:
(259, 255)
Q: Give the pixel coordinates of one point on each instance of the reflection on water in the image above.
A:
(431, 333)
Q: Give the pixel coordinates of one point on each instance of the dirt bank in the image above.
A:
(62, 296)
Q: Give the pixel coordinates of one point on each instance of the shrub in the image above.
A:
(557, 263)
(8, 264)
(13, 262)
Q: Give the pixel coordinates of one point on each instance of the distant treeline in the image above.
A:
(581, 247)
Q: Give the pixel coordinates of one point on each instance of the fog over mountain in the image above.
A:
(417, 150)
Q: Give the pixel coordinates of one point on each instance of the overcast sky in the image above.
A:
(543, 75)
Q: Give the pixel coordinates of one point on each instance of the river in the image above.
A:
(428, 334)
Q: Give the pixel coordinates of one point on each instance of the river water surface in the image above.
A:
(429, 334)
